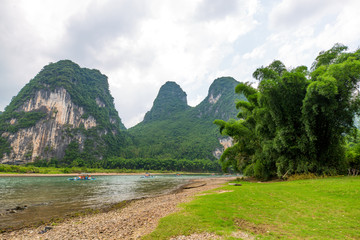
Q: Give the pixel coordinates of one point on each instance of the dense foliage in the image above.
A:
(23, 120)
(170, 99)
(197, 165)
(353, 154)
(296, 120)
(177, 137)
(184, 132)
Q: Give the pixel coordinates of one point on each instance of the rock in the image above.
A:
(47, 228)
(19, 208)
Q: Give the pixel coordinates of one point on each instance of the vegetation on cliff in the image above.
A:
(183, 131)
(296, 120)
(170, 100)
(171, 130)
(89, 90)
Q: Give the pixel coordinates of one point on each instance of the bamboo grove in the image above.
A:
(296, 120)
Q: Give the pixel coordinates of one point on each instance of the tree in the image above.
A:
(353, 153)
(329, 107)
(295, 121)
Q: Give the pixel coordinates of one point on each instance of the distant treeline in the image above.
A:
(200, 165)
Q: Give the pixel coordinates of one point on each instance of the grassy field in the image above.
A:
(327, 208)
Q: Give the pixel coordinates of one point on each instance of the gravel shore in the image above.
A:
(136, 219)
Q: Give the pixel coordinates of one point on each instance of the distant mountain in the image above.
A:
(66, 113)
(170, 100)
(176, 130)
(220, 101)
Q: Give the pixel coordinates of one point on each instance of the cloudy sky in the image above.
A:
(141, 44)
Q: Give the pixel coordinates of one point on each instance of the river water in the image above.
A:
(52, 197)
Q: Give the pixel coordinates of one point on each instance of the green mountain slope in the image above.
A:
(86, 87)
(171, 99)
(66, 115)
(184, 131)
(65, 112)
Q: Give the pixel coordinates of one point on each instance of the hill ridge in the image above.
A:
(189, 132)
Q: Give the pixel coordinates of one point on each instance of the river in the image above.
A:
(54, 197)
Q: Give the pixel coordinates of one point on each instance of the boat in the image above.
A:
(147, 175)
(82, 176)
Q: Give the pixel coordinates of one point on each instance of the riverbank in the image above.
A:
(68, 174)
(93, 174)
(136, 219)
(322, 208)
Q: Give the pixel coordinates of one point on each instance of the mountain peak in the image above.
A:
(170, 99)
(63, 107)
(219, 86)
(220, 102)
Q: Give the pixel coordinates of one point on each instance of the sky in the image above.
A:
(142, 44)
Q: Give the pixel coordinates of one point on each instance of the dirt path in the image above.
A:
(137, 219)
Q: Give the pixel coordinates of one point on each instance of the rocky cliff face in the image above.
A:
(48, 138)
(52, 111)
(225, 143)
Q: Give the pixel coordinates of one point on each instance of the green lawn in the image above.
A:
(326, 208)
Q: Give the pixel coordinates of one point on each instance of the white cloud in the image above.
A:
(142, 44)
(256, 53)
(346, 28)
(183, 48)
(294, 13)
(299, 35)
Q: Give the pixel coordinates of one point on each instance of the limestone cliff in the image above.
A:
(62, 104)
(225, 143)
(48, 137)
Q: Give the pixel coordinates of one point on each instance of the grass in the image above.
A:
(327, 208)
(17, 169)
(20, 169)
